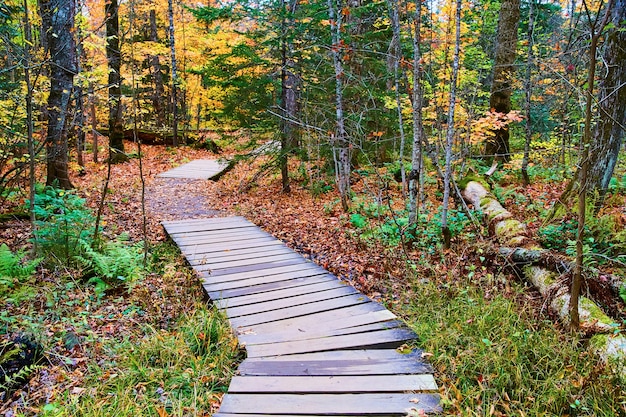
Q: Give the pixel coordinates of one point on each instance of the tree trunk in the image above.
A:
(114, 59)
(608, 135)
(528, 91)
(501, 89)
(396, 54)
(59, 15)
(29, 121)
(289, 91)
(170, 10)
(417, 157)
(94, 122)
(447, 179)
(340, 142)
(158, 94)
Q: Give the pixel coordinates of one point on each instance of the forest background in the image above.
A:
(385, 118)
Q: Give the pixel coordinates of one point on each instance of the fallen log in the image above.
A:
(549, 278)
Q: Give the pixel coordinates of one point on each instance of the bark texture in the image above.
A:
(58, 23)
(158, 93)
(503, 73)
(114, 59)
(608, 135)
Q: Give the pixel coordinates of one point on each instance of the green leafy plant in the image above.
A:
(114, 263)
(14, 268)
(64, 225)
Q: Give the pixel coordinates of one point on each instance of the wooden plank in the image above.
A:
(365, 323)
(297, 311)
(259, 246)
(228, 242)
(350, 355)
(348, 404)
(191, 250)
(207, 275)
(250, 280)
(332, 384)
(263, 367)
(207, 226)
(290, 302)
(212, 237)
(282, 415)
(378, 339)
(334, 319)
(255, 286)
(215, 220)
(225, 256)
(309, 287)
(213, 266)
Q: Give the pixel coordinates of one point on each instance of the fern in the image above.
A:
(116, 262)
(13, 268)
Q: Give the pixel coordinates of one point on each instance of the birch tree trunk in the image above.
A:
(417, 157)
(289, 90)
(58, 21)
(396, 52)
(158, 94)
(170, 11)
(445, 230)
(340, 142)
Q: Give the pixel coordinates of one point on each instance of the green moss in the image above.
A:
(596, 313)
(509, 228)
(473, 177)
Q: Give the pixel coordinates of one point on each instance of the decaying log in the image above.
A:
(512, 235)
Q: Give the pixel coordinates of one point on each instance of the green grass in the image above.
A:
(182, 371)
(495, 356)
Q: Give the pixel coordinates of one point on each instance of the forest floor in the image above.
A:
(460, 301)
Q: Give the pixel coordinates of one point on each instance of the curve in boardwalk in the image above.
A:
(315, 346)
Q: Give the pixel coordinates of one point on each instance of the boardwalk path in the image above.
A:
(315, 346)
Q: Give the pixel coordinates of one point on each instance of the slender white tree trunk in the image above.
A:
(447, 179)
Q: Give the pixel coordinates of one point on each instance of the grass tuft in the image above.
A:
(495, 356)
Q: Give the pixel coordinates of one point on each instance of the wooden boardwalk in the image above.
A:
(315, 346)
(201, 169)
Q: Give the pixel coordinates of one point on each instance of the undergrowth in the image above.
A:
(495, 356)
(178, 372)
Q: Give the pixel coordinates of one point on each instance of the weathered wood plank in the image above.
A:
(224, 256)
(330, 367)
(261, 246)
(207, 275)
(378, 339)
(237, 282)
(269, 274)
(203, 227)
(312, 286)
(199, 169)
(303, 310)
(323, 330)
(349, 355)
(332, 384)
(206, 220)
(186, 239)
(213, 266)
(338, 318)
(256, 286)
(235, 242)
(349, 404)
(290, 302)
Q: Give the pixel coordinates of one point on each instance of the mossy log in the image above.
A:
(513, 235)
(603, 288)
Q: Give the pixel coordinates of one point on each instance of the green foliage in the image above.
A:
(114, 263)
(14, 268)
(622, 293)
(64, 224)
(180, 372)
(358, 220)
